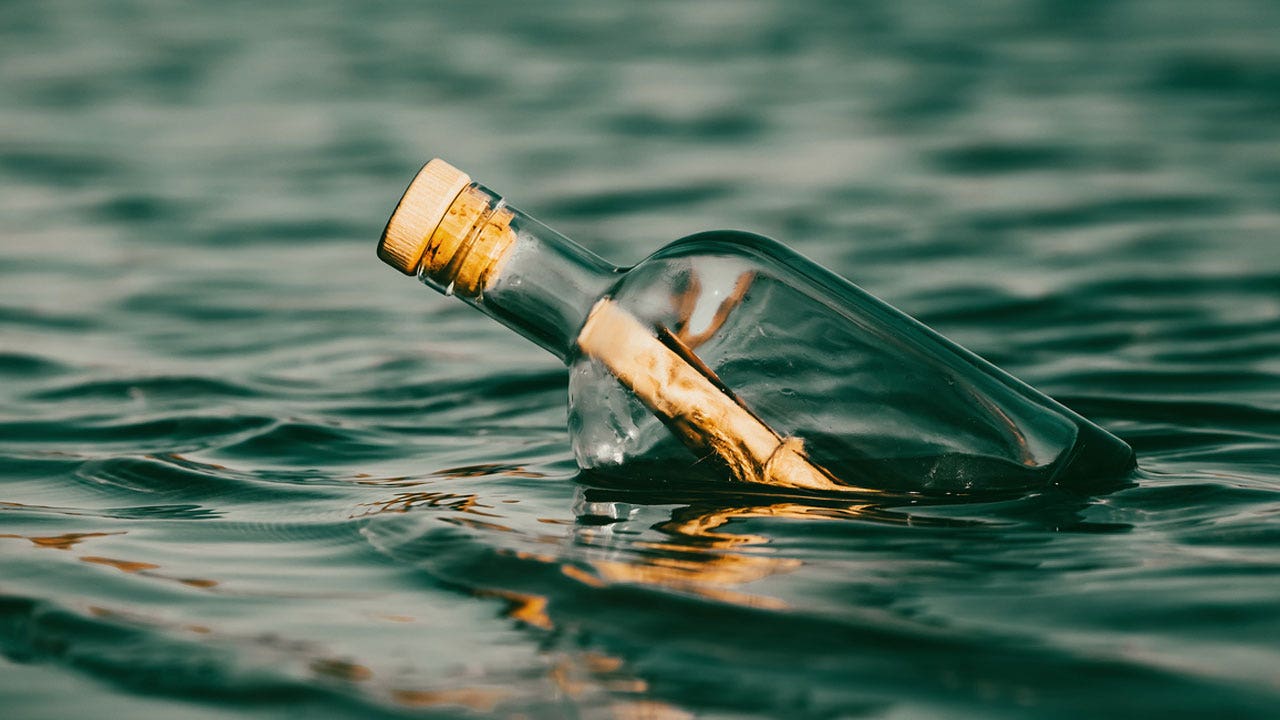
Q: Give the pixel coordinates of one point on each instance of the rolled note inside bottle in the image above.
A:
(693, 403)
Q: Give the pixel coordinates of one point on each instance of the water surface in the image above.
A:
(248, 471)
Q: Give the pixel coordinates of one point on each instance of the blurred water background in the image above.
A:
(248, 471)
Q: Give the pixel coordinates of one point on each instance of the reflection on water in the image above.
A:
(245, 471)
(65, 541)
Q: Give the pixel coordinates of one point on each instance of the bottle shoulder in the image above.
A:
(733, 252)
(740, 249)
(723, 242)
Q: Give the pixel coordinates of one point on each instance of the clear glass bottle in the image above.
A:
(725, 356)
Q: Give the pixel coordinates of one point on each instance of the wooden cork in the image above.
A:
(468, 248)
(449, 230)
(419, 213)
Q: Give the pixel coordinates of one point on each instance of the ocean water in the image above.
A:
(248, 471)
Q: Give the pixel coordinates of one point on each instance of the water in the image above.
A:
(247, 471)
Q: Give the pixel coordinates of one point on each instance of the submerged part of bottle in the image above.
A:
(726, 356)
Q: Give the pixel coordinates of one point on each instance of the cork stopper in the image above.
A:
(451, 231)
(419, 212)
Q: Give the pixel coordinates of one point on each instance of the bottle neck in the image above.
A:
(515, 269)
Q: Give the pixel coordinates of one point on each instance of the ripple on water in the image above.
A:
(15, 364)
(305, 444)
(153, 389)
(246, 471)
(625, 594)
(178, 477)
(172, 433)
(179, 661)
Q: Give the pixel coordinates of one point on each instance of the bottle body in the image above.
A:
(725, 356)
(880, 400)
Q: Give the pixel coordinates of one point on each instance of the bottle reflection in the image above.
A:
(698, 548)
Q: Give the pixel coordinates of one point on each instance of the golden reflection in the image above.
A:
(477, 524)
(395, 618)
(593, 680)
(600, 663)
(485, 469)
(648, 710)
(198, 582)
(121, 565)
(527, 608)
(527, 555)
(101, 612)
(702, 555)
(185, 461)
(406, 501)
(398, 481)
(137, 618)
(148, 570)
(596, 680)
(340, 669)
(480, 699)
(710, 576)
(48, 508)
(703, 523)
(579, 673)
(581, 576)
(59, 542)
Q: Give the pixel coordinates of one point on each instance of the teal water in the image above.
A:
(248, 471)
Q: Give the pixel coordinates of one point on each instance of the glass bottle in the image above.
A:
(725, 356)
